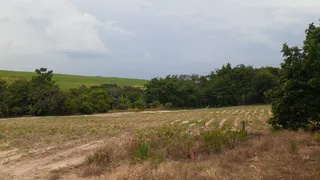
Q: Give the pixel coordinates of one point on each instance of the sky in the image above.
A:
(149, 38)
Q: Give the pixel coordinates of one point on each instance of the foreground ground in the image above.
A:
(56, 147)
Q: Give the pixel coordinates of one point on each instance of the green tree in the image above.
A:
(3, 94)
(44, 97)
(18, 97)
(140, 104)
(296, 101)
(124, 102)
(95, 101)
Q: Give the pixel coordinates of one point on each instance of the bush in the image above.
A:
(124, 102)
(215, 140)
(94, 101)
(142, 150)
(86, 107)
(166, 142)
(156, 104)
(140, 104)
(168, 105)
(174, 142)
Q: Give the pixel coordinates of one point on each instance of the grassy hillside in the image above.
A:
(73, 81)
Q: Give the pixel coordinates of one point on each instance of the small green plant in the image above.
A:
(213, 140)
(142, 151)
(201, 123)
(293, 146)
(317, 137)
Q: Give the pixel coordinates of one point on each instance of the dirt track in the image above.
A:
(14, 164)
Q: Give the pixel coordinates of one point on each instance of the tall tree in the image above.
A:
(296, 101)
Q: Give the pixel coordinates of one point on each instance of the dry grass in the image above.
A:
(268, 155)
(39, 132)
(265, 157)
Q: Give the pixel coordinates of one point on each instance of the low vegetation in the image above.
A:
(284, 155)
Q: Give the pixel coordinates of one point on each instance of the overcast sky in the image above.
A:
(148, 38)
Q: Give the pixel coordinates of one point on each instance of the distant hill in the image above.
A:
(73, 81)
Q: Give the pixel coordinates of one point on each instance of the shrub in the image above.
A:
(317, 137)
(124, 102)
(150, 105)
(215, 140)
(167, 142)
(156, 104)
(142, 150)
(175, 142)
(168, 105)
(94, 101)
(140, 104)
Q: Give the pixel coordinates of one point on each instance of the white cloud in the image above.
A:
(147, 38)
(46, 26)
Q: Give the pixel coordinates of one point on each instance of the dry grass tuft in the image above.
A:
(55, 175)
(106, 158)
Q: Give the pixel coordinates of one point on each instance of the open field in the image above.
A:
(57, 147)
(74, 81)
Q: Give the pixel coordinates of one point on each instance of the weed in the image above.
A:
(101, 156)
(317, 137)
(215, 140)
(201, 123)
(109, 156)
(142, 151)
(293, 146)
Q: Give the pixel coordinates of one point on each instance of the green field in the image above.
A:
(73, 81)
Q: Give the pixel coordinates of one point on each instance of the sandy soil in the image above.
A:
(18, 165)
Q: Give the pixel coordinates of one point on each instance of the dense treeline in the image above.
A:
(241, 85)
(40, 96)
(228, 86)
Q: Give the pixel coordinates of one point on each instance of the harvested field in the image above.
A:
(58, 147)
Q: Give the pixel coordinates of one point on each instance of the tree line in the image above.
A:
(227, 86)
(40, 96)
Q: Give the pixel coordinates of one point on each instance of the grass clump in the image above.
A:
(171, 142)
(215, 140)
(293, 146)
(103, 159)
(317, 137)
(142, 150)
(175, 142)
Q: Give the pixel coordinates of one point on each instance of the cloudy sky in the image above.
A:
(148, 38)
